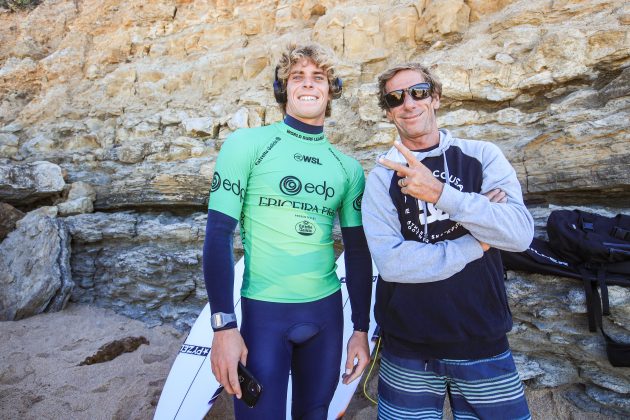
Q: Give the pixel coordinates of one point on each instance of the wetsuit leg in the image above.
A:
(316, 360)
(306, 337)
(268, 359)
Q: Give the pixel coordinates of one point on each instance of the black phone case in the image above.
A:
(250, 387)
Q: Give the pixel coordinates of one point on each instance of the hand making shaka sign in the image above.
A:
(416, 179)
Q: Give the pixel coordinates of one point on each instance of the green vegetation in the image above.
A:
(17, 5)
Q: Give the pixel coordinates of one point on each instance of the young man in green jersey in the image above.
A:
(286, 183)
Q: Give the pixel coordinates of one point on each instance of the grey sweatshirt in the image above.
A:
(439, 295)
(507, 226)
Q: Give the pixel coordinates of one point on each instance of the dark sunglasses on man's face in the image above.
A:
(417, 92)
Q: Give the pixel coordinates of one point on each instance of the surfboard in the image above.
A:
(191, 389)
(344, 393)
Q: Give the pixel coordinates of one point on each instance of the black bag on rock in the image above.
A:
(586, 246)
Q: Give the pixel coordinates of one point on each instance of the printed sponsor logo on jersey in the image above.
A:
(291, 185)
(233, 187)
(294, 204)
(194, 350)
(308, 159)
(340, 163)
(302, 137)
(216, 182)
(305, 228)
(356, 204)
(269, 147)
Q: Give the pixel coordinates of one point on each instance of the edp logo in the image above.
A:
(234, 187)
(291, 185)
(356, 204)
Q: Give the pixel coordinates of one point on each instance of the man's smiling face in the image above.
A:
(307, 92)
(415, 120)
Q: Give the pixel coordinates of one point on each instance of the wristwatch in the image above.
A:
(221, 319)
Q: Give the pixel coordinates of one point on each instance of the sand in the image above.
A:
(42, 375)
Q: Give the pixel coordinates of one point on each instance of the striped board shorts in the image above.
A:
(477, 389)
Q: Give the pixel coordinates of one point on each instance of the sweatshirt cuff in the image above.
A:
(450, 200)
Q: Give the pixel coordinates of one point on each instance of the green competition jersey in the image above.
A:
(286, 187)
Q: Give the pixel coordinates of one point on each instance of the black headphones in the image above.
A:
(280, 90)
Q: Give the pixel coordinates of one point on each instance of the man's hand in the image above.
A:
(357, 348)
(417, 180)
(228, 348)
(495, 196)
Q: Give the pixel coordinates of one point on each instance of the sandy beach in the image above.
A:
(45, 370)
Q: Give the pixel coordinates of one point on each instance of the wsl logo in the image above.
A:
(291, 185)
(308, 159)
(305, 228)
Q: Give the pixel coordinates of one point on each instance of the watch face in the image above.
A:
(217, 321)
(221, 319)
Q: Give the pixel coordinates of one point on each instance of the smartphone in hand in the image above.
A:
(250, 387)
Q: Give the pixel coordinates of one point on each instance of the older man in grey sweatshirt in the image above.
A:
(436, 211)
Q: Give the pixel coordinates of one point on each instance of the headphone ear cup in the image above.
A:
(337, 88)
(278, 90)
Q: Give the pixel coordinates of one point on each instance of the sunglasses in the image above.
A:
(417, 92)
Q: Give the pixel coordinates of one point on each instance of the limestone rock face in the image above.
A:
(129, 104)
(20, 184)
(35, 271)
(146, 265)
(142, 77)
(80, 199)
(8, 216)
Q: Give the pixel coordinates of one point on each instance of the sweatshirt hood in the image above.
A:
(394, 155)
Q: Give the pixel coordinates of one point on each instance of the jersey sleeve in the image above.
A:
(231, 174)
(350, 211)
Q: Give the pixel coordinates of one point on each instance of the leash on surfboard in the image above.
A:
(367, 377)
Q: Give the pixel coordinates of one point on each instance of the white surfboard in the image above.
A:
(191, 389)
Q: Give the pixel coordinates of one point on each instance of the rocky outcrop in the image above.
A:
(146, 265)
(553, 344)
(8, 216)
(122, 107)
(140, 113)
(80, 200)
(35, 272)
(24, 184)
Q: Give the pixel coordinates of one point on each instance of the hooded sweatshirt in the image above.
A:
(438, 294)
